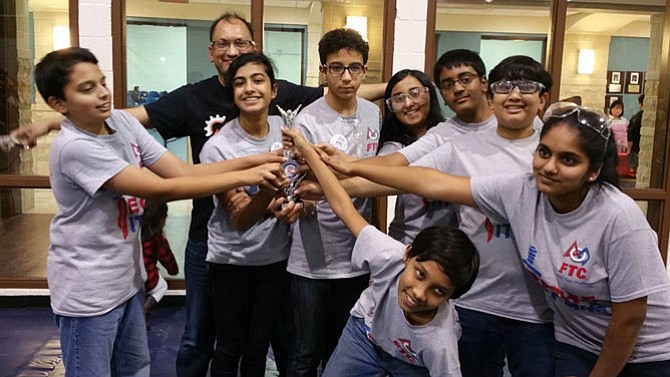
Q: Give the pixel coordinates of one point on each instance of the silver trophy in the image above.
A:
(291, 165)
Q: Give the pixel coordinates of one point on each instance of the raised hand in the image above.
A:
(293, 137)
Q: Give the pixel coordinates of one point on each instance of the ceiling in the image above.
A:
(582, 15)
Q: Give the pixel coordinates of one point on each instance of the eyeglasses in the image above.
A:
(240, 44)
(464, 79)
(417, 95)
(524, 86)
(589, 117)
(338, 69)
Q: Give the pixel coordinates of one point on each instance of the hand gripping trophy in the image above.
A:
(291, 165)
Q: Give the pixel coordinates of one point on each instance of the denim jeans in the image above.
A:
(247, 301)
(574, 361)
(197, 343)
(113, 344)
(356, 356)
(487, 339)
(320, 311)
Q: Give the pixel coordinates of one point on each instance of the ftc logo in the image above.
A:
(578, 259)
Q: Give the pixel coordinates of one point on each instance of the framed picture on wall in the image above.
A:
(634, 82)
(609, 99)
(614, 82)
(616, 78)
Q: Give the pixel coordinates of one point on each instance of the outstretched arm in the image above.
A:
(338, 199)
(145, 184)
(169, 166)
(421, 181)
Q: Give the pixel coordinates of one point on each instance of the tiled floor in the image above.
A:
(29, 345)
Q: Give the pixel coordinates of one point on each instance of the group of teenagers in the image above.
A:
(511, 242)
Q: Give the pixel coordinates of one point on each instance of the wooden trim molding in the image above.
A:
(257, 15)
(431, 43)
(24, 181)
(119, 53)
(73, 19)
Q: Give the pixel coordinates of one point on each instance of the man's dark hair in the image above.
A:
(230, 17)
(337, 39)
(457, 58)
(520, 67)
(453, 251)
(52, 73)
(640, 99)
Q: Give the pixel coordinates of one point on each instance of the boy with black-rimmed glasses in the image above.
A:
(324, 283)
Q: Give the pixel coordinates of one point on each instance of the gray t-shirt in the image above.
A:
(434, 345)
(502, 288)
(416, 213)
(265, 242)
(437, 135)
(95, 256)
(602, 252)
(322, 244)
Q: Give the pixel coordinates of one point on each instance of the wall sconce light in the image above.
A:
(61, 37)
(360, 24)
(586, 62)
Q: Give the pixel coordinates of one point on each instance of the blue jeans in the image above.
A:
(487, 339)
(113, 344)
(320, 311)
(247, 301)
(574, 361)
(356, 356)
(197, 343)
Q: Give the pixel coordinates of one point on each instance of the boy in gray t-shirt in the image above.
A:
(404, 323)
(324, 283)
(94, 268)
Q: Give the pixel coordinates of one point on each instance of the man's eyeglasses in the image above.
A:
(524, 86)
(398, 100)
(586, 116)
(240, 44)
(338, 69)
(464, 79)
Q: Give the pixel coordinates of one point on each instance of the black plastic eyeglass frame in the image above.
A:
(464, 79)
(333, 68)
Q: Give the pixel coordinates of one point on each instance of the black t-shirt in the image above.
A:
(198, 111)
(634, 127)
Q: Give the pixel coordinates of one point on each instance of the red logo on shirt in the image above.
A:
(578, 259)
(130, 214)
(404, 347)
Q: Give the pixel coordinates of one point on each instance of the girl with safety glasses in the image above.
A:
(412, 109)
(584, 241)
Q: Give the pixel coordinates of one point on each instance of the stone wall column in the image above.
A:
(652, 79)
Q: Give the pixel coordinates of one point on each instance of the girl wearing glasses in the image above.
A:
(585, 242)
(413, 109)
